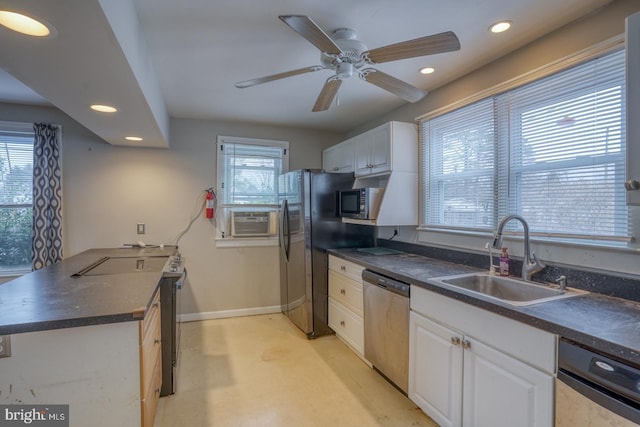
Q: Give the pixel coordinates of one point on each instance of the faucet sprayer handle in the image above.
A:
(539, 263)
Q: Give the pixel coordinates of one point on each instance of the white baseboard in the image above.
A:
(191, 317)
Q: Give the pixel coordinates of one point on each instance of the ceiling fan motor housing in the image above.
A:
(352, 50)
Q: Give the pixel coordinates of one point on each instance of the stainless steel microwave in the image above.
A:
(359, 203)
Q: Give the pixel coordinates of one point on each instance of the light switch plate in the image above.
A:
(141, 228)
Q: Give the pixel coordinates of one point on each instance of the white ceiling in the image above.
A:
(156, 59)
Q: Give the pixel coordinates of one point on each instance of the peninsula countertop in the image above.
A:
(51, 298)
(607, 324)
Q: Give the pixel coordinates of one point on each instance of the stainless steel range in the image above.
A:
(174, 277)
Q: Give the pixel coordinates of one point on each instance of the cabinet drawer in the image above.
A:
(153, 313)
(346, 291)
(152, 395)
(347, 325)
(348, 268)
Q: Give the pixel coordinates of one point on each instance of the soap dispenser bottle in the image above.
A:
(504, 262)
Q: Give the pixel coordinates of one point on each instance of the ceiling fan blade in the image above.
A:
(429, 45)
(389, 83)
(265, 79)
(308, 29)
(328, 93)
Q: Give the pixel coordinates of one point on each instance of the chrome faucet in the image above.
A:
(530, 263)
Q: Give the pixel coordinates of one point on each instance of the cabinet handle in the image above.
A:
(455, 340)
(343, 292)
(466, 344)
(343, 268)
(157, 390)
(342, 323)
(156, 341)
(156, 304)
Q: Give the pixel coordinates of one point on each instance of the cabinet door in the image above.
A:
(435, 370)
(500, 391)
(339, 158)
(345, 156)
(363, 154)
(380, 142)
(329, 159)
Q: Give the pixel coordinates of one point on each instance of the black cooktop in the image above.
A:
(122, 265)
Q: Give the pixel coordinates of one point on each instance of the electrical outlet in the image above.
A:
(5, 345)
(140, 228)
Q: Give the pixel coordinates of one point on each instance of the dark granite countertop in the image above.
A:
(607, 324)
(50, 298)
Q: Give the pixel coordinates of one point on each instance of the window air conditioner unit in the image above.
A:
(249, 223)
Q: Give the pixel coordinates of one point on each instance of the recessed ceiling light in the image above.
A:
(500, 26)
(104, 108)
(24, 24)
(427, 70)
(133, 138)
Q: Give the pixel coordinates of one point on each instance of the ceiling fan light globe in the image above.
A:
(344, 70)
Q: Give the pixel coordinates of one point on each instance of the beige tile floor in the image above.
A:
(262, 371)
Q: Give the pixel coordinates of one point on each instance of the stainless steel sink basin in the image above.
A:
(506, 289)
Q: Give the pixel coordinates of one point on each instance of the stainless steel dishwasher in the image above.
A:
(386, 327)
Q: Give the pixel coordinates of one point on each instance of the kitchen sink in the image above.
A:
(510, 290)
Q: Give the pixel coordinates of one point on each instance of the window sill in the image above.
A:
(246, 242)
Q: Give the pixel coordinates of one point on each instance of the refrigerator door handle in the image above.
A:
(285, 235)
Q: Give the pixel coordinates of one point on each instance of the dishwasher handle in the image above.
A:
(392, 285)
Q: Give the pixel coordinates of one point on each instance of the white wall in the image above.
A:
(109, 189)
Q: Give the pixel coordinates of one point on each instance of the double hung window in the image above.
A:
(16, 195)
(552, 151)
(248, 170)
(247, 180)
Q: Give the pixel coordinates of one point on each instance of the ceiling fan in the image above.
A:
(344, 54)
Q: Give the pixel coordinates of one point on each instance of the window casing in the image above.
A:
(247, 176)
(16, 195)
(552, 151)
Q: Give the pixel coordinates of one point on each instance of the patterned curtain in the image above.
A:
(47, 197)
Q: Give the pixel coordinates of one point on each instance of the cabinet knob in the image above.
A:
(157, 390)
(343, 268)
(466, 344)
(157, 341)
(342, 323)
(343, 292)
(455, 340)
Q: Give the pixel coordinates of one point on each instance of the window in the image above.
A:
(248, 171)
(16, 180)
(552, 151)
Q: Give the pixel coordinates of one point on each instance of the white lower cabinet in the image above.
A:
(461, 372)
(346, 302)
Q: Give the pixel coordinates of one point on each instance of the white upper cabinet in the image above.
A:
(339, 158)
(389, 147)
(633, 109)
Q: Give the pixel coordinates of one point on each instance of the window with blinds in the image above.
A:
(16, 184)
(552, 151)
(248, 170)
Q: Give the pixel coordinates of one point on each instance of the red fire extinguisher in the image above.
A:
(210, 199)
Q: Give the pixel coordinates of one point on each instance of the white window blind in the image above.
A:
(552, 151)
(16, 193)
(248, 171)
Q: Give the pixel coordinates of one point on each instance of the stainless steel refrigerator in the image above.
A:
(308, 227)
